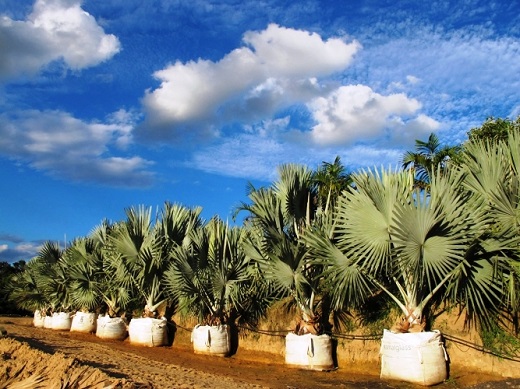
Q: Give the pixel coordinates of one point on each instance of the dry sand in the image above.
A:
(29, 353)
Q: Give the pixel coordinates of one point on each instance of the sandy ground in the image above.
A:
(28, 352)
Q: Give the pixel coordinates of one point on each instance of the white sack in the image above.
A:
(84, 322)
(147, 331)
(419, 357)
(309, 351)
(111, 328)
(213, 340)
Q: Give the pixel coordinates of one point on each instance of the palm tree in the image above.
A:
(54, 277)
(85, 268)
(140, 249)
(331, 179)
(211, 277)
(427, 158)
(114, 295)
(492, 177)
(408, 243)
(26, 291)
(279, 215)
(44, 286)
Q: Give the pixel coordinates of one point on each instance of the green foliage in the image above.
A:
(492, 177)
(139, 250)
(494, 130)
(279, 216)
(212, 278)
(429, 157)
(9, 271)
(331, 180)
(500, 341)
(413, 245)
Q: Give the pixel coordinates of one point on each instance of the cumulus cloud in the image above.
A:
(55, 30)
(356, 113)
(195, 93)
(66, 147)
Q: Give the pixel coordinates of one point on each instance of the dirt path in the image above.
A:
(179, 367)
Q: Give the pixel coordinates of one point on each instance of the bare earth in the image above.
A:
(126, 366)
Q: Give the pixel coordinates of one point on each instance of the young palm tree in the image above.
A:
(85, 268)
(115, 295)
(25, 290)
(492, 170)
(408, 243)
(140, 250)
(54, 277)
(279, 216)
(44, 286)
(135, 257)
(212, 278)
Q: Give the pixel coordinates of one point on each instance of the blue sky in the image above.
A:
(109, 104)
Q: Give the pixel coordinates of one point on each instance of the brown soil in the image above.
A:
(86, 358)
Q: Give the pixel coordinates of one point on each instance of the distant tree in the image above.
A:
(429, 156)
(331, 179)
(494, 130)
(7, 270)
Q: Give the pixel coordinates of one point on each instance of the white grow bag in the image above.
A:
(313, 352)
(213, 340)
(147, 331)
(47, 322)
(111, 328)
(83, 322)
(61, 321)
(39, 319)
(419, 358)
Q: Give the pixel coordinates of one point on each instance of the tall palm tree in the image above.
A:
(331, 179)
(428, 157)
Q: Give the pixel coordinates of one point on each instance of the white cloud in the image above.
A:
(456, 74)
(356, 113)
(23, 251)
(66, 147)
(252, 156)
(277, 68)
(286, 52)
(412, 79)
(55, 30)
(257, 153)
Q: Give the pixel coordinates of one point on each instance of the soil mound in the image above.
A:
(24, 367)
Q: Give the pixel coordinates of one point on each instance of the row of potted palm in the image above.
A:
(453, 242)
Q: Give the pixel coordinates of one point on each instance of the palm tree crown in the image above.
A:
(427, 158)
